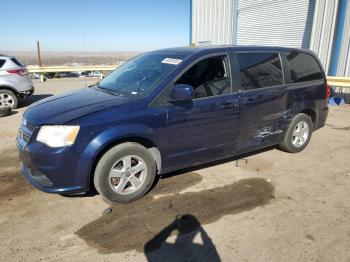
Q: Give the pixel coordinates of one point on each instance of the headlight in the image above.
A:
(58, 136)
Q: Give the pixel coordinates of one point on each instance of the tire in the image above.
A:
(295, 141)
(127, 182)
(5, 111)
(8, 98)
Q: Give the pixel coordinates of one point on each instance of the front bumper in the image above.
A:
(53, 170)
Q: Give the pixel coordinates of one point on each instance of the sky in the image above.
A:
(94, 25)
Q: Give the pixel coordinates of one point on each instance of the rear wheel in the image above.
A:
(8, 98)
(298, 134)
(125, 173)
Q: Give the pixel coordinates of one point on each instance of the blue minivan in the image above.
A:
(171, 109)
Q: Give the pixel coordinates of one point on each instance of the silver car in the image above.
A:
(15, 83)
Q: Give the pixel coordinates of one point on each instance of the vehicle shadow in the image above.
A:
(210, 164)
(93, 191)
(32, 99)
(152, 225)
(184, 248)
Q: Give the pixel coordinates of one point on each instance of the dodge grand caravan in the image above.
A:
(171, 109)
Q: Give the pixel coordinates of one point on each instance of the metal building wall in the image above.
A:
(211, 22)
(344, 56)
(275, 22)
(297, 23)
(324, 29)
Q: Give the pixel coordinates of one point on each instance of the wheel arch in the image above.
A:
(311, 112)
(146, 142)
(10, 88)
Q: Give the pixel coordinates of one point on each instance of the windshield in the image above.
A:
(139, 76)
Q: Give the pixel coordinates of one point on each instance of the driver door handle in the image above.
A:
(229, 105)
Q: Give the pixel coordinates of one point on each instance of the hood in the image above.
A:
(68, 106)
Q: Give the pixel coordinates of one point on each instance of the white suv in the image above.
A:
(15, 83)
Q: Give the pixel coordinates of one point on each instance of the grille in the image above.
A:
(28, 125)
(26, 136)
(25, 132)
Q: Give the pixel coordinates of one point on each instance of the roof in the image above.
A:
(188, 50)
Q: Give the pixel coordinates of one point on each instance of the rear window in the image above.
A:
(2, 62)
(303, 67)
(16, 61)
(259, 70)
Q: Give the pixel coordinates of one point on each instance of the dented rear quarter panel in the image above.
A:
(265, 113)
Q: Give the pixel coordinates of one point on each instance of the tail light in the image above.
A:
(21, 72)
(328, 91)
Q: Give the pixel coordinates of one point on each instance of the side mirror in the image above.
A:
(181, 93)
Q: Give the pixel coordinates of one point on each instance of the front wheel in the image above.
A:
(125, 173)
(298, 134)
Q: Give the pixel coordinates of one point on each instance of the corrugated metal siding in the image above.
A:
(344, 57)
(347, 68)
(212, 21)
(275, 22)
(324, 29)
(296, 23)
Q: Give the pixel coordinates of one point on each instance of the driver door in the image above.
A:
(205, 128)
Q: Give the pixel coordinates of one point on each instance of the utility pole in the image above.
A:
(38, 49)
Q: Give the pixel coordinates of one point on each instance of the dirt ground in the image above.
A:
(268, 206)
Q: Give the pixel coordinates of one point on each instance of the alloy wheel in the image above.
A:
(300, 134)
(6, 100)
(127, 174)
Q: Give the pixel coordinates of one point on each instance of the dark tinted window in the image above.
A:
(2, 62)
(208, 77)
(303, 67)
(16, 61)
(258, 70)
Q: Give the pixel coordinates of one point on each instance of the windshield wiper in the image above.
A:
(106, 90)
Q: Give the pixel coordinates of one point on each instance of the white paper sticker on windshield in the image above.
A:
(171, 61)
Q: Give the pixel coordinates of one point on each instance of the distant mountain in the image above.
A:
(68, 58)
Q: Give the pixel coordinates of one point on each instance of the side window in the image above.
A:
(258, 70)
(303, 67)
(209, 77)
(16, 61)
(2, 62)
